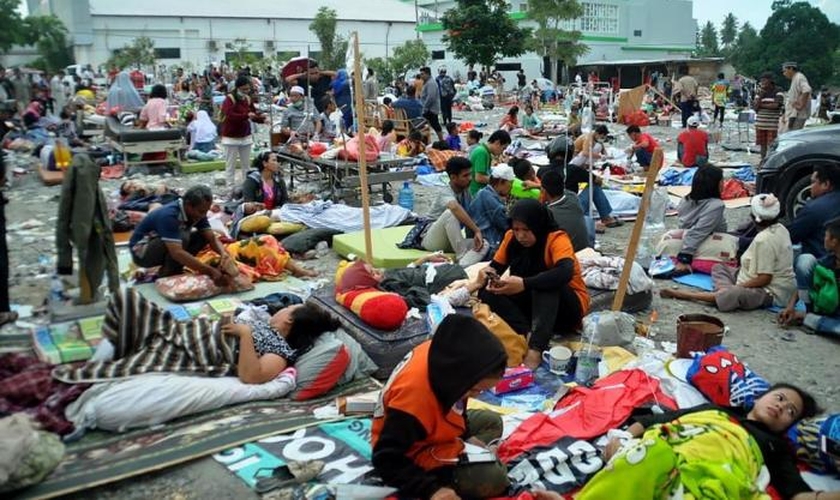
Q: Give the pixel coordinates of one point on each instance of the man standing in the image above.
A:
(447, 94)
(687, 88)
(370, 87)
(23, 89)
(173, 234)
(798, 105)
(316, 84)
(521, 80)
(808, 227)
(430, 97)
(768, 106)
(720, 94)
(693, 145)
(57, 92)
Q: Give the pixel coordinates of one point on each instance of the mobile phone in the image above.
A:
(830, 446)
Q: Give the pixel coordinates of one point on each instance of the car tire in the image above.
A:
(796, 196)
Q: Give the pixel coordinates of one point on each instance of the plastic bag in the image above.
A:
(187, 287)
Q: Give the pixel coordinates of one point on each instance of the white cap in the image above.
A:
(297, 89)
(504, 172)
(765, 207)
(693, 121)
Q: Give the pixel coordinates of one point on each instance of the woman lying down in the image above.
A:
(144, 338)
(708, 452)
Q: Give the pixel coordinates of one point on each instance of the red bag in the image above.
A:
(350, 151)
(732, 189)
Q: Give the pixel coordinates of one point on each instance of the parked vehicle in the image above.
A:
(786, 170)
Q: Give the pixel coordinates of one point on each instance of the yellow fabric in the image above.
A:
(514, 344)
(281, 228)
(255, 224)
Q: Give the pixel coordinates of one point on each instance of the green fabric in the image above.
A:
(44, 455)
(518, 191)
(700, 455)
(480, 159)
(823, 293)
(386, 254)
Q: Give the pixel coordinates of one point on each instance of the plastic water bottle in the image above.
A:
(406, 197)
(56, 290)
(589, 356)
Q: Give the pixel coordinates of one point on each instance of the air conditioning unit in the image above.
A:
(269, 45)
(212, 46)
(228, 46)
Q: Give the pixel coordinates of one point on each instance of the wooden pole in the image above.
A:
(660, 94)
(360, 126)
(652, 173)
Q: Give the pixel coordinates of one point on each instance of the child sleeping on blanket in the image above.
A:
(708, 452)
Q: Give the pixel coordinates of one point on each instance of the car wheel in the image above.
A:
(797, 195)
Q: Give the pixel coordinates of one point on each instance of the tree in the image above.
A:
(12, 29)
(480, 32)
(550, 39)
(728, 31)
(780, 4)
(791, 34)
(140, 52)
(410, 55)
(708, 46)
(49, 35)
(333, 46)
(745, 45)
(241, 53)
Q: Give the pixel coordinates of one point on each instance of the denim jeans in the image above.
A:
(644, 157)
(602, 204)
(804, 269)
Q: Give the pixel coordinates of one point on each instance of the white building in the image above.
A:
(613, 30)
(204, 31)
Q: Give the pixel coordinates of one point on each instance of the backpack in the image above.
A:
(447, 87)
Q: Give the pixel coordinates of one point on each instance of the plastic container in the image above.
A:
(406, 196)
(62, 154)
(586, 369)
(56, 289)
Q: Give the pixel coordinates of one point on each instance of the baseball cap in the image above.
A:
(504, 172)
(693, 121)
(297, 89)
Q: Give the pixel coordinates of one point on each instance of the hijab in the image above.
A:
(123, 95)
(203, 129)
(528, 261)
(340, 81)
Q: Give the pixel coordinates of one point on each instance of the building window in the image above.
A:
(597, 18)
(523, 7)
(161, 53)
(438, 55)
(637, 32)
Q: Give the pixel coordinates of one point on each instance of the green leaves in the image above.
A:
(140, 52)
(480, 32)
(333, 46)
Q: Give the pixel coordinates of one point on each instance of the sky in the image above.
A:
(754, 11)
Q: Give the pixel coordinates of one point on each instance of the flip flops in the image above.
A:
(291, 474)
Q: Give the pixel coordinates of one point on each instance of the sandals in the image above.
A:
(8, 317)
(614, 222)
(291, 474)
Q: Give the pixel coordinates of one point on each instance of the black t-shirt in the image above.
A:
(320, 87)
(521, 79)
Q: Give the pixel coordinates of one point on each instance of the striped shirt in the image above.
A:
(768, 119)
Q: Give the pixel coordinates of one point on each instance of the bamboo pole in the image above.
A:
(360, 126)
(652, 173)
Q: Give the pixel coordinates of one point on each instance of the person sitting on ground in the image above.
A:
(643, 146)
(408, 102)
(387, 136)
(172, 235)
(481, 159)
(298, 120)
(807, 227)
(765, 277)
(452, 137)
(473, 139)
(387, 106)
(728, 449)
(510, 121)
(545, 293)
(566, 210)
(530, 122)
(412, 145)
(526, 184)
(449, 213)
(66, 129)
(589, 148)
(817, 285)
(153, 116)
(488, 207)
(701, 214)
(421, 422)
(203, 133)
(264, 187)
(693, 144)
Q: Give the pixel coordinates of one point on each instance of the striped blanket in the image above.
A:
(148, 339)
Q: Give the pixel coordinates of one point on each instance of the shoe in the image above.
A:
(614, 222)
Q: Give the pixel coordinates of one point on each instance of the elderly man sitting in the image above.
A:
(300, 118)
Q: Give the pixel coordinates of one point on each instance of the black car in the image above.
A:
(786, 171)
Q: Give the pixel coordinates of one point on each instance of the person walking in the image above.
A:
(447, 94)
(237, 113)
(798, 105)
(430, 97)
(687, 88)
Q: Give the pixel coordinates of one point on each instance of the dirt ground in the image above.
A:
(808, 360)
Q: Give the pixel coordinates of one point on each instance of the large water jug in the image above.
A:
(406, 197)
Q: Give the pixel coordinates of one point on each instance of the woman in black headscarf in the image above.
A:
(545, 293)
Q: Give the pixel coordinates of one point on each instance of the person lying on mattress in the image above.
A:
(421, 427)
(139, 336)
(545, 293)
(693, 452)
(766, 275)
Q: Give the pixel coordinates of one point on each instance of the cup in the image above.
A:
(557, 358)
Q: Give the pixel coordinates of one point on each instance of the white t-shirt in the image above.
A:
(771, 253)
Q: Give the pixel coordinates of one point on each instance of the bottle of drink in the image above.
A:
(406, 197)
(62, 154)
(56, 290)
(589, 355)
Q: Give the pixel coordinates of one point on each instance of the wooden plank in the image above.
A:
(630, 256)
(360, 121)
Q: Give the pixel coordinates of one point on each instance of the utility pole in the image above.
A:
(416, 20)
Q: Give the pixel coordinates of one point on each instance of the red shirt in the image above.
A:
(693, 142)
(138, 79)
(235, 122)
(652, 143)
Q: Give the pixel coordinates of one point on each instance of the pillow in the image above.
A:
(335, 358)
(718, 248)
(382, 310)
(283, 228)
(725, 380)
(255, 224)
(187, 287)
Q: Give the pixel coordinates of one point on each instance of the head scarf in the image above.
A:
(202, 128)
(123, 95)
(528, 261)
(340, 81)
